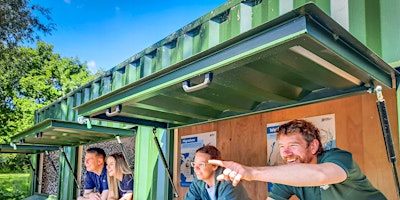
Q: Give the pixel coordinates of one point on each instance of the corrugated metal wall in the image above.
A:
(375, 23)
(371, 22)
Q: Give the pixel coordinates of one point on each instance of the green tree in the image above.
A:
(30, 78)
(20, 22)
(41, 78)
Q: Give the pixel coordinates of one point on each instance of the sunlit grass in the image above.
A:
(14, 186)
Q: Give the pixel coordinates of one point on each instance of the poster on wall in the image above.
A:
(325, 124)
(189, 145)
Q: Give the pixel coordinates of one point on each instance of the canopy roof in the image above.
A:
(299, 58)
(64, 133)
(26, 149)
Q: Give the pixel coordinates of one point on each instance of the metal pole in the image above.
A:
(51, 160)
(387, 135)
(164, 162)
(70, 167)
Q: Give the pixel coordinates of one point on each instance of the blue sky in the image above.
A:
(104, 33)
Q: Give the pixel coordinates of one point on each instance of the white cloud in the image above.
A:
(117, 8)
(92, 66)
(67, 1)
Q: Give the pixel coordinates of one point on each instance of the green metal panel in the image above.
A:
(146, 156)
(26, 149)
(357, 20)
(66, 183)
(373, 26)
(273, 9)
(390, 31)
(133, 72)
(34, 161)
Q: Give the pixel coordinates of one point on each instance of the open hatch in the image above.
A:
(299, 58)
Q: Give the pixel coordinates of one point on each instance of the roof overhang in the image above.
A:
(26, 149)
(299, 58)
(65, 133)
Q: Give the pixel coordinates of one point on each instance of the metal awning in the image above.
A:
(299, 58)
(26, 149)
(54, 132)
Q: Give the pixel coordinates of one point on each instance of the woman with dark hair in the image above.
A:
(205, 185)
(120, 178)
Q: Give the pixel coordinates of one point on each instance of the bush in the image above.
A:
(14, 186)
(14, 163)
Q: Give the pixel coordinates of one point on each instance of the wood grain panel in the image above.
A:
(358, 130)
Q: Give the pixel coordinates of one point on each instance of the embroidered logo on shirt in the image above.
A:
(324, 187)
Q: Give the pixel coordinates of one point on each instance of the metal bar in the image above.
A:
(70, 167)
(165, 163)
(51, 160)
(387, 135)
(131, 120)
(123, 151)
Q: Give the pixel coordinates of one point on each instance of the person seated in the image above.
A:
(96, 185)
(205, 185)
(310, 172)
(120, 178)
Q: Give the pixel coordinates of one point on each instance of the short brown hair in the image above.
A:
(305, 128)
(210, 150)
(97, 151)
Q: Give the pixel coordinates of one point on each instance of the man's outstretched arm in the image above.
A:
(293, 174)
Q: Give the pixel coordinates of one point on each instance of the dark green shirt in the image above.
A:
(356, 186)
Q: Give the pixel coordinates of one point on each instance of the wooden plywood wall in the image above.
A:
(358, 130)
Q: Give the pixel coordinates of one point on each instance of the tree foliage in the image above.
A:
(32, 78)
(21, 22)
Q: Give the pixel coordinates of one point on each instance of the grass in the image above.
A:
(14, 186)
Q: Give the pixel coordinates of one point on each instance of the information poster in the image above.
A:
(189, 145)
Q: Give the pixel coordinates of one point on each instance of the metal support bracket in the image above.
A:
(387, 135)
(51, 161)
(164, 162)
(85, 120)
(70, 167)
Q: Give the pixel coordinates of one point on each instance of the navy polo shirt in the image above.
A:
(95, 181)
(126, 185)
